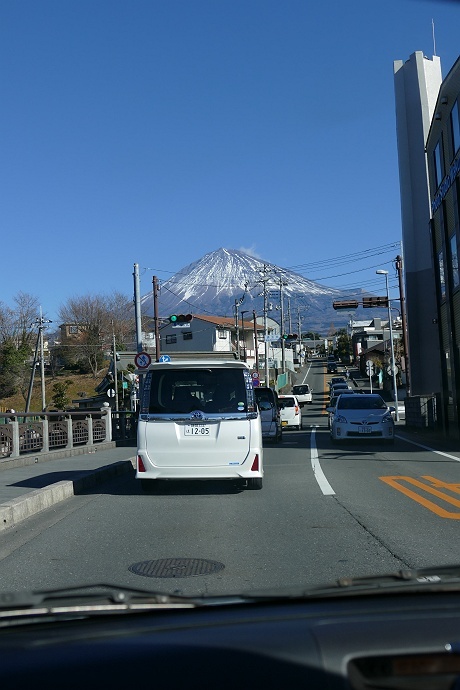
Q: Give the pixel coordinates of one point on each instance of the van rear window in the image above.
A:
(179, 391)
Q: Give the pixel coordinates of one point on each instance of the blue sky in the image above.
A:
(153, 132)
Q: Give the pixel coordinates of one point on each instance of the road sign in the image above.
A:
(165, 358)
(142, 360)
(369, 367)
(255, 375)
(392, 369)
(255, 383)
(111, 393)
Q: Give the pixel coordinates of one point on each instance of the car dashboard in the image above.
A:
(403, 642)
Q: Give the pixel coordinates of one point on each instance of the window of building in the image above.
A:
(171, 339)
(73, 330)
(187, 336)
(442, 280)
(454, 262)
(455, 124)
(438, 163)
(222, 334)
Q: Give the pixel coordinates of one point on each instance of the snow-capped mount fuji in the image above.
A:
(212, 284)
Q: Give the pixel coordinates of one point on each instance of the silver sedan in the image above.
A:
(362, 417)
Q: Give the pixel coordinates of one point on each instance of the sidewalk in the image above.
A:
(28, 489)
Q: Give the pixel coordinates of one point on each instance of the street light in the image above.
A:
(392, 363)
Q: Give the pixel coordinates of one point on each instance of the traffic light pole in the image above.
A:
(156, 318)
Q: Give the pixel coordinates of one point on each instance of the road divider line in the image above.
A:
(433, 450)
(320, 477)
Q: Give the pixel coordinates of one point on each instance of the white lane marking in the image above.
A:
(320, 477)
(305, 377)
(420, 445)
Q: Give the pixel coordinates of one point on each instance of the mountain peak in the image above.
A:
(212, 285)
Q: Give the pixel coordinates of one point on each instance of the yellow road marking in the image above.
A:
(395, 482)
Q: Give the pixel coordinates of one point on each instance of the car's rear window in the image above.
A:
(300, 390)
(287, 402)
(179, 391)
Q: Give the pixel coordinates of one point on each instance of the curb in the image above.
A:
(32, 458)
(23, 507)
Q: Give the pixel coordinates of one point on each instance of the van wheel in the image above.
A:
(255, 484)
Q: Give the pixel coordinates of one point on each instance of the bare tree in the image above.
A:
(96, 318)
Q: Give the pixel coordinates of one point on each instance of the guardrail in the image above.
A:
(23, 433)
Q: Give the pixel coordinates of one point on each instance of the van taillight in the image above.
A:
(140, 464)
(297, 409)
(255, 464)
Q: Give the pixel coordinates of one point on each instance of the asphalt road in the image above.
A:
(325, 512)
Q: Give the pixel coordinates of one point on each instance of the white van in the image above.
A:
(199, 420)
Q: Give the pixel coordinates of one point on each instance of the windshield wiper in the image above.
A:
(440, 578)
(92, 597)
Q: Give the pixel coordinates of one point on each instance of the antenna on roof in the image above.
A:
(434, 37)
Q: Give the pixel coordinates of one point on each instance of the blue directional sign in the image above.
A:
(164, 358)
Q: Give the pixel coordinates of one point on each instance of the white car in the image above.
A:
(362, 417)
(199, 420)
(290, 413)
(303, 393)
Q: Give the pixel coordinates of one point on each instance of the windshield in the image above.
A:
(363, 402)
(269, 191)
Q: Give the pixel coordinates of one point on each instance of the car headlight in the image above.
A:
(340, 419)
(387, 418)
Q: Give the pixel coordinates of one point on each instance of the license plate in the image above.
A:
(364, 429)
(196, 430)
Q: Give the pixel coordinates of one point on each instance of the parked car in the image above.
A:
(291, 416)
(362, 417)
(303, 393)
(268, 404)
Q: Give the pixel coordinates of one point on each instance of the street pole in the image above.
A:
(399, 268)
(137, 312)
(256, 340)
(283, 344)
(243, 312)
(156, 318)
(115, 371)
(237, 330)
(392, 362)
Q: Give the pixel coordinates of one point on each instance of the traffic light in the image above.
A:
(180, 318)
(290, 336)
(369, 302)
(345, 304)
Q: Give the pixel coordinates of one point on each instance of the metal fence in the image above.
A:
(23, 433)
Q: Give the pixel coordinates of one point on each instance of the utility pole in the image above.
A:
(40, 322)
(156, 317)
(266, 270)
(282, 284)
(115, 371)
(137, 311)
(256, 340)
(238, 302)
(399, 268)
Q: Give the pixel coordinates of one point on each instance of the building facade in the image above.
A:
(417, 82)
(443, 156)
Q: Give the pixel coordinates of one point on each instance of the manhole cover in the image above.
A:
(176, 567)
